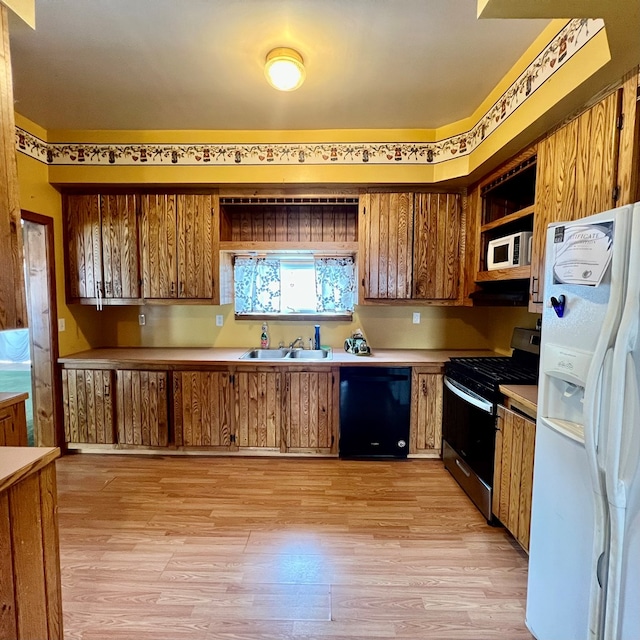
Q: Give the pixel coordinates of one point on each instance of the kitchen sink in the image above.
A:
(289, 354)
(310, 354)
(265, 354)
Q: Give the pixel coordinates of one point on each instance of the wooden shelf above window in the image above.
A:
(512, 217)
(513, 273)
(243, 246)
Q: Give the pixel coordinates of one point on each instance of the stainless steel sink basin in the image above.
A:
(265, 354)
(289, 354)
(309, 354)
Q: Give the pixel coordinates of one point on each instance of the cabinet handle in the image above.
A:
(99, 295)
(534, 285)
(173, 289)
(424, 387)
(107, 288)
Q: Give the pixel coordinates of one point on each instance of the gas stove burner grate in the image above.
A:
(496, 370)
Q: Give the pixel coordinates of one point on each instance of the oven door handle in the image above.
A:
(468, 396)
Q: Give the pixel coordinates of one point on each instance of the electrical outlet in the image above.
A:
(62, 325)
(416, 317)
(142, 319)
(219, 321)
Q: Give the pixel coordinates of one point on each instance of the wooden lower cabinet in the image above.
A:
(513, 473)
(13, 420)
(30, 593)
(311, 404)
(142, 408)
(202, 410)
(258, 408)
(88, 404)
(426, 411)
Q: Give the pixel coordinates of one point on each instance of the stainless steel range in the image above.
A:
(471, 397)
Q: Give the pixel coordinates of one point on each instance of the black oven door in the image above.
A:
(469, 435)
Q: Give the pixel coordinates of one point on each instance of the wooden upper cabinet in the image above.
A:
(120, 263)
(101, 234)
(436, 247)
(387, 238)
(82, 232)
(576, 177)
(179, 237)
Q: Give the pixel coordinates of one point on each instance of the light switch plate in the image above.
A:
(416, 317)
(142, 319)
(219, 321)
(62, 325)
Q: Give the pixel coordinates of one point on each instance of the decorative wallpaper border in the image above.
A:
(561, 49)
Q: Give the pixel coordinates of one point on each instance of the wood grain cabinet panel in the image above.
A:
(426, 411)
(88, 406)
(142, 408)
(576, 176)
(179, 245)
(311, 405)
(30, 591)
(387, 237)
(258, 408)
(13, 422)
(513, 473)
(13, 307)
(436, 247)
(202, 409)
(101, 233)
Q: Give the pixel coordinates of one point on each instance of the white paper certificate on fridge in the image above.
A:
(582, 253)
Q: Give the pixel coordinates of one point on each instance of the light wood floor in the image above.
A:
(212, 548)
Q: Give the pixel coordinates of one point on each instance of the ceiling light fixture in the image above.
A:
(284, 69)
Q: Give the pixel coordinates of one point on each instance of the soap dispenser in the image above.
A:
(316, 341)
(264, 336)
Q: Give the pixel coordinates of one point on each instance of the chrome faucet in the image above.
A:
(298, 339)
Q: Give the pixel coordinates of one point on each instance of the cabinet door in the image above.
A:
(158, 244)
(387, 237)
(88, 406)
(575, 178)
(119, 226)
(141, 408)
(201, 403)
(258, 408)
(13, 425)
(436, 247)
(196, 218)
(513, 473)
(83, 252)
(310, 412)
(426, 412)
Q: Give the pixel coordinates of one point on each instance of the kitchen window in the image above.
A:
(294, 286)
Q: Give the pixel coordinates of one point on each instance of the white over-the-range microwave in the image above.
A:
(509, 251)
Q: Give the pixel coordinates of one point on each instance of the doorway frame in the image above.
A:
(47, 337)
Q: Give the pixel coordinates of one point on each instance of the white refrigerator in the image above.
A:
(584, 554)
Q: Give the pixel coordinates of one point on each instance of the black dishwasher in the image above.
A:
(374, 412)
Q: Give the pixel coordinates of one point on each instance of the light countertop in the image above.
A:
(175, 356)
(524, 394)
(17, 463)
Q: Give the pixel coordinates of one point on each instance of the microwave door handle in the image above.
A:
(468, 396)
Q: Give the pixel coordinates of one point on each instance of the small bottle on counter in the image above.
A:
(264, 336)
(316, 343)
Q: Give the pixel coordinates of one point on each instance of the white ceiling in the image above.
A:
(197, 64)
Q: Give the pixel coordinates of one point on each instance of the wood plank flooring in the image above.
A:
(263, 549)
